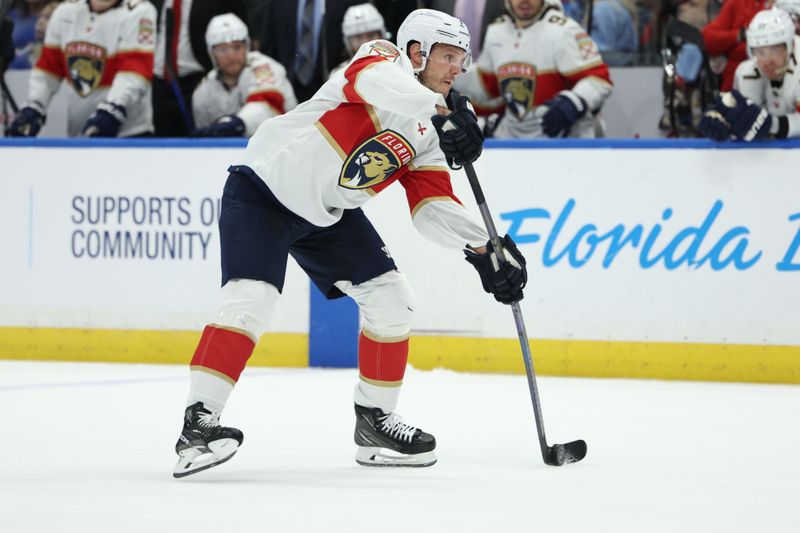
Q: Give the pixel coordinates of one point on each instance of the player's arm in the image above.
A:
(439, 216)
(579, 61)
(271, 94)
(134, 74)
(586, 75)
(379, 76)
(436, 212)
(44, 81)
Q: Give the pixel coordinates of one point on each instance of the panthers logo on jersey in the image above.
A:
(85, 65)
(517, 83)
(375, 160)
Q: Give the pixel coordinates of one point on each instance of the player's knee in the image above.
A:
(247, 305)
(387, 304)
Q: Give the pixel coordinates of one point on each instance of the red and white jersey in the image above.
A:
(780, 100)
(366, 128)
(103, 57)
(529, 66)
(263, 91)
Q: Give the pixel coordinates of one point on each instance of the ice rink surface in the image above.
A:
(89, 448)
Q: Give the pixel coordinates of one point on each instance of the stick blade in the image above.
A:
(564, 454)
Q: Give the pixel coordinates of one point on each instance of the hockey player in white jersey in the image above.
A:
(104, 50)
(243, 89)
(298, 190)
(547, 70)
(765, 100)
(361, 24)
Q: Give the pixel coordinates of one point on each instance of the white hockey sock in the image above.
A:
(212, 390)
(369, 395)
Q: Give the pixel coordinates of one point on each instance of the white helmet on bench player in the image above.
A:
(362, 18)
(770, 27)
(227, 28)
(429, 27)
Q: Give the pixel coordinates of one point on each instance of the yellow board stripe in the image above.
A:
(611, 359)
(138, 346)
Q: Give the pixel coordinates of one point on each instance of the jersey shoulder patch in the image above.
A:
(384, 49)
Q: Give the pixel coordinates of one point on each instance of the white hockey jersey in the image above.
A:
(529, 66)
(781, 99)
(103, 57)
(366, 128)
(263, 92)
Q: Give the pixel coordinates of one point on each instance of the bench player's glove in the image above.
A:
(27, 123)
(227, 126)
(749, 121)
(105, 121)
(504, 282)
(563, 111)
(460, 137)
(714, 126)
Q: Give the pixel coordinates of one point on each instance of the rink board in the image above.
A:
(658, 260)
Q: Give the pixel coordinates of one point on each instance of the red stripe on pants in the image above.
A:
(224, 351)
(382, 361)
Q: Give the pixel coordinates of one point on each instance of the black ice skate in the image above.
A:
(384, 440)
(203, 443)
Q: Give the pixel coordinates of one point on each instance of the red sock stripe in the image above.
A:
(382, 361)
(224, 351)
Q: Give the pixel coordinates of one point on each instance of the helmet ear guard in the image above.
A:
(429, 27)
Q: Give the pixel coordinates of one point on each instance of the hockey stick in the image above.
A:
(557, 454)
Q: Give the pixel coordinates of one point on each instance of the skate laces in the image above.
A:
(208, 419)
(393, 425)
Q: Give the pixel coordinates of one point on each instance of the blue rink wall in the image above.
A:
(675, 259)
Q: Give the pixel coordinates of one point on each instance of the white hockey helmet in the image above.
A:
(770, 27)
(790, 6)
(362, 18)
(225, 28)
(429, 27)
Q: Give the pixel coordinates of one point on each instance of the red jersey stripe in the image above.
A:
(52, 61)
(274, 99)
(140, 63)
(489, 82)
(348, 125)
(136, 61)
(548, 85)
(351, 74)
(421, 185)
(598, 71)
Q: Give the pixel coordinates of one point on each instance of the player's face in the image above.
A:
(526, 9)
(771, 60)
(356, 41)
(444, 64)
(231, 57)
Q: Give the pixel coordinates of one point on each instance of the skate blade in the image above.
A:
(373, 456)
(191, 461)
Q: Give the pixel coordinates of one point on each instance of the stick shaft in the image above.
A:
(527, 357)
